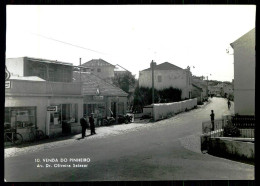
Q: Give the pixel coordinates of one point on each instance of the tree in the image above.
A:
(143, 96)
(124, 81)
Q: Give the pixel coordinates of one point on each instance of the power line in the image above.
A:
(68, 43)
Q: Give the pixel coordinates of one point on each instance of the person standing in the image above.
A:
(92, 124)
(84, 124)
(212, 115)
(229, 104)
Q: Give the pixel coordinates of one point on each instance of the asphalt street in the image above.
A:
(163, 150)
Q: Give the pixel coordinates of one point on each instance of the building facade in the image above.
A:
(100, 68)
(48, 70)
(244, 74)
(100, 97)
(199, 82)
(197, 92)
(28, 104)
(167, 75)
(32, 101)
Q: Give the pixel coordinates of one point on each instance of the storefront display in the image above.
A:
(64, 113)
(20, 117)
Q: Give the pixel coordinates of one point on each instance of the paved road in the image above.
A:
(164, 150)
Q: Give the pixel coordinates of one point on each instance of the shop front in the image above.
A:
(61, 118)
(104, 106)
(23, 119)
(96, 105)
(50, 107)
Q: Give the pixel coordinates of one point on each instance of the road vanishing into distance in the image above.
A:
(165, 150)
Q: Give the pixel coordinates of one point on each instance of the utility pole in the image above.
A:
(80, 69)
(207, 88)
(47, 66)
(152, 82)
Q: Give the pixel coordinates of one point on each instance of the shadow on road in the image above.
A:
(44, 141)
(235, 158)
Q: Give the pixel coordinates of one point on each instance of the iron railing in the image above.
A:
(212, 128)
(245, 124)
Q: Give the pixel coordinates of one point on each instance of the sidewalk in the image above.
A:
(76, 138)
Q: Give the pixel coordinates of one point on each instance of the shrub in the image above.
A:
(200, 103)
(231, 131)
(143, 96)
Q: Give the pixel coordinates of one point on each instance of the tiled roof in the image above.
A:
(196, 86)
(97, 62)
(91, 82)
(48, 61)
(164, 66)
(119, 68)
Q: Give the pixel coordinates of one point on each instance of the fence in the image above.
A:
(245, 124)
(213, 128)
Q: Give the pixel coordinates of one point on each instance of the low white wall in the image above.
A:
(147, 111)
(232, 147)
(162, 110)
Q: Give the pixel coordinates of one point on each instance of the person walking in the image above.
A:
(84, 124)
(229, 104)
(212, 115)
(92, 124)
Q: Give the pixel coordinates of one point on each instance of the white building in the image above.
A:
(38, 98)
(101, 68)
(244, 74)
(167, 75)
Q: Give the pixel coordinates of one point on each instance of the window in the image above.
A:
(55, 117)
(121, 108)
(98, 70)
(69, 112)
(20, 117)
(51, 75)
(65, 112)
(159, 79)
(97, 108)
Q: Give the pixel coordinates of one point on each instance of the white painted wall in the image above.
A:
(162, 110)
(181, 79)
(41, 103)
(107, 72)
(244, 74)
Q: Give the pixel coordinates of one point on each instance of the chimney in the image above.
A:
(154, 64)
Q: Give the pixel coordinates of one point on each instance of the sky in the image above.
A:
(131, 35)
